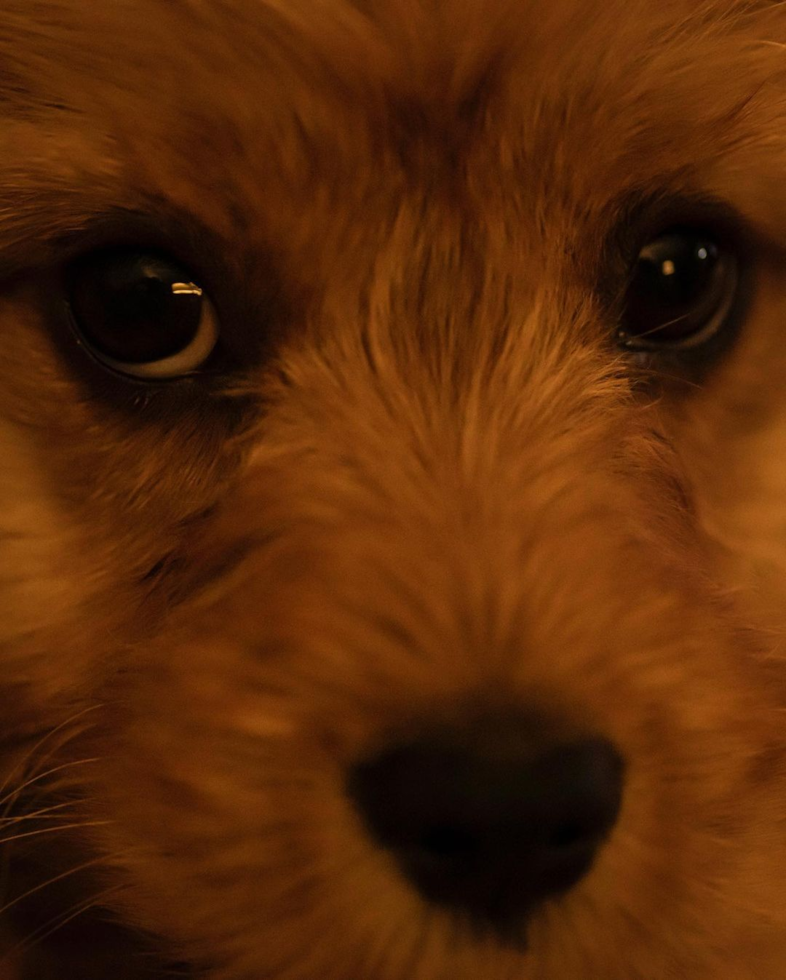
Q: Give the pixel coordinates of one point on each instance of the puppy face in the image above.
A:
(420, 438)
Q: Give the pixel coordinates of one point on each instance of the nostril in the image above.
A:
(449, 842)
(493, 819)
(566, 836)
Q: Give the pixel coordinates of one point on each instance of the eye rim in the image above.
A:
(192, 360)
(731, 249)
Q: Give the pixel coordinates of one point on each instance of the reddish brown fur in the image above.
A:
(435, 486)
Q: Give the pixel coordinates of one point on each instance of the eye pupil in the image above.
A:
(676, 270)
(136, 308)
(680, 290)
(141, 313)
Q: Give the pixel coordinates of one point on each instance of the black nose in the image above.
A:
(492, 818)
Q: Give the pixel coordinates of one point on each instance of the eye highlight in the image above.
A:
(681, 291)
(141, 313)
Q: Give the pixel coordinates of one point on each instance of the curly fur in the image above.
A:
(431, 485)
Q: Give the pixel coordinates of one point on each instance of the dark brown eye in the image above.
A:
(141, 313)
(681, 291)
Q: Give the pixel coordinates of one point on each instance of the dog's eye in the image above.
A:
(680, 293)
(141, 313)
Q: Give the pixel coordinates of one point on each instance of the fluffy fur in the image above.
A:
(429, 483)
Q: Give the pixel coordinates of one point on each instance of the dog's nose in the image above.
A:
(493, 818)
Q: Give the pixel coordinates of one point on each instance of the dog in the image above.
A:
(393, 496)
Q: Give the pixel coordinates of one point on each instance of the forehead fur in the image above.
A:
(293, 104)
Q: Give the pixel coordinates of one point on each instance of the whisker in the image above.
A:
(45, 813)
(52, 830)
(30, 754)
(6, 801)
(57, 922)
(658, 374)
(50, 881)
(661, 326)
